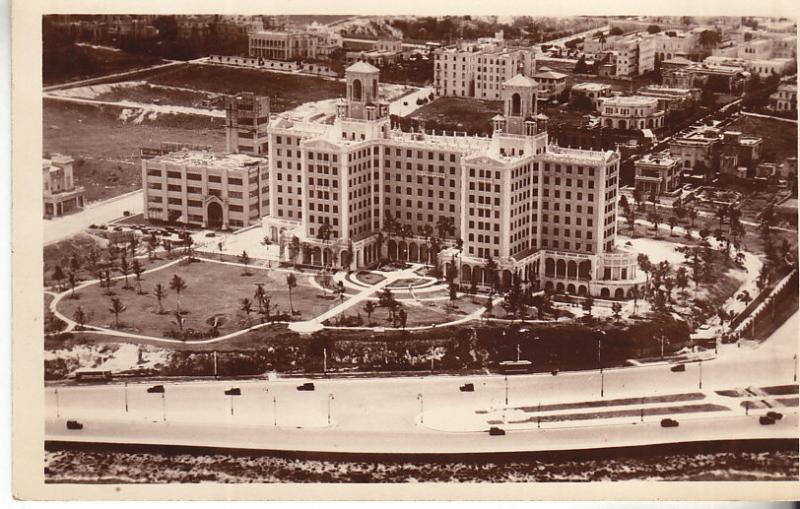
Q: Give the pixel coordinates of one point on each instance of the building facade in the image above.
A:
(657, 174)
(246, 122)
(359, 191)
(282, 45)
(785, 98)
(631, 112)
(630, 55)
(478, 71)
(60, 193)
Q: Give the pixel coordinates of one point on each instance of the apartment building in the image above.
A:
(545, 212)
(628, 55)
(205, 189)
(671, 44)
(631, 112)
(60, 193)
(671, 98)
(698, 155)
(595, 92)
(478, 71)
(246, 122)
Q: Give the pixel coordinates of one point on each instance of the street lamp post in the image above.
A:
(700, 383)
(324, 361)
(58, 410)
(506, 381)
(164, 406)
(421, 408)
(330, 399)
(539, 416)
(794, 359)
(275, 411)
(662, 347)
(600, 362)
(126, 397)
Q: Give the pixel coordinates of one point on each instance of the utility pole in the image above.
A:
(517, 352)
(126, 397)
(700, 383)
(421, 409)
(662, 347)
(275, 411)
(600, 364)
(58, 410)
(794, 359)
(164, 406)
(506, 380)
(325, 363)
(641, 418)
(330, 399)
(215, 365)
(539, 416)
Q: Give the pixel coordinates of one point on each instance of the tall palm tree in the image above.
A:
(160, 292)
(247, 307)
(244, 259)
(125, 269)
(258, 296)
(291, 283)
(116, 307)
(177, 284)
(137, 270)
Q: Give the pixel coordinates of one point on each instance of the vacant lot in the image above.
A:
(459, 114)
(286, 91)
(213, 290)
(780, 138)
(149, 93)
(74, 62)
(106, 148)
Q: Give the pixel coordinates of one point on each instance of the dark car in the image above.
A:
(494, 431)
(776, 416)
(74, 425)
(766, 420)
(467, 388)
(233, 391)
(156, 389)
(308, 386)
(211, 234)
(678, 368)
(669, 423)
(554, 372)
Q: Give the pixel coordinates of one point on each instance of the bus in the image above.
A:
(516, 367)
(92, 375)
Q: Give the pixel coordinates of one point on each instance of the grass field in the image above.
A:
(458, 113)
(286, 91)
(82, 62)
(213, 290)
(106, 149)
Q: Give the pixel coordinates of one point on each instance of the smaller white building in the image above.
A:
(61, 195)
(631, 112)
(785, 99)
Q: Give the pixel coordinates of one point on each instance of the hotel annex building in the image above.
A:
(545, 212)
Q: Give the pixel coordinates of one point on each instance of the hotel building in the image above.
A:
(469, 71)
(545, 212)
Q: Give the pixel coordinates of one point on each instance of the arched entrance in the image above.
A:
(604, 293)
(214, 213)
(619, 294)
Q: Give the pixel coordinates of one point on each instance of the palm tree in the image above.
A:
(673, 222)
(137, 269)
(125, 269)
(116, 307)
(491, 269)
(72, 281)
(247, 307)
(58, 276)
(79, 316)
(645, 265)
(258, 296)
(340, 291)
(160, 293)
(244, 259)
(177, 284)
(369, 308)
(291, 283)
(692, 213)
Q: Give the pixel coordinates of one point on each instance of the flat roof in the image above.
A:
(207, 158)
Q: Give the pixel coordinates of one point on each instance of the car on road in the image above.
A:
(777, 416)
(467, 388)
(678, 368)
(233, 391)
(705, 326)
(494, 431)
(211, 234)
(766, 420)
(71, 424)
(554, 372)
(669, 423)
(308, 386)
(156, 389)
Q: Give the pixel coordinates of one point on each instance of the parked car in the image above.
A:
(467, 388)
(156, 389)
(669, 423)
(495, 431)
(766, 420)
(211, 234)
(554, 372)
(308, 386)
(678, 368)
(233, 391)
(777, 416)
(74, 425)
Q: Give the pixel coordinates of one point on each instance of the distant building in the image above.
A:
(785, 98)
(61, 195)
(671, 98)
(595, 92)
(698, 155)
(632, 54)
(737, 150)
(631, 112)
(671, 44)
(551, 83)
(204, 189)
(657, 174)
(282, 45)
(471, 70)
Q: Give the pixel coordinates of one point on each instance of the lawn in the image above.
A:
(459, 113)
(214, 290)
(106, 149)
(286, 91)
(74, 62)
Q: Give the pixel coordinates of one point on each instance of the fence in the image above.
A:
(765, 300)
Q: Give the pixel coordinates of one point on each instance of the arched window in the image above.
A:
(516, 105)
(356, 90)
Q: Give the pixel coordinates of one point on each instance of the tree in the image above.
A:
(137, 270)
(116, 307)
(244, 259)
(491, 271)
(402, 317)
(340, 291)
(124, 268)
(80, 317)
(763, 277)
(452, 291)
(160, 293)
(580, 66)
(72, 281)
(369, 308)
(294, 248)
(445, 226)
(258, 296)
(710, 38)
(692, 213)
(177, 284)
(745, 297)
(644, 263)
(587, 304)
(324, 232)
(291, 283)
(179, 319)
(58, 276)
(653, 29)
(616, 310)
(637, 197)
(615, 31)
(473, 288)
(681, 278)
(673, 222)
(489, 303)
(630, 216)
(246, 305)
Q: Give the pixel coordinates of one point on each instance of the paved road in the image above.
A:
(96, 213)
(383, 415)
